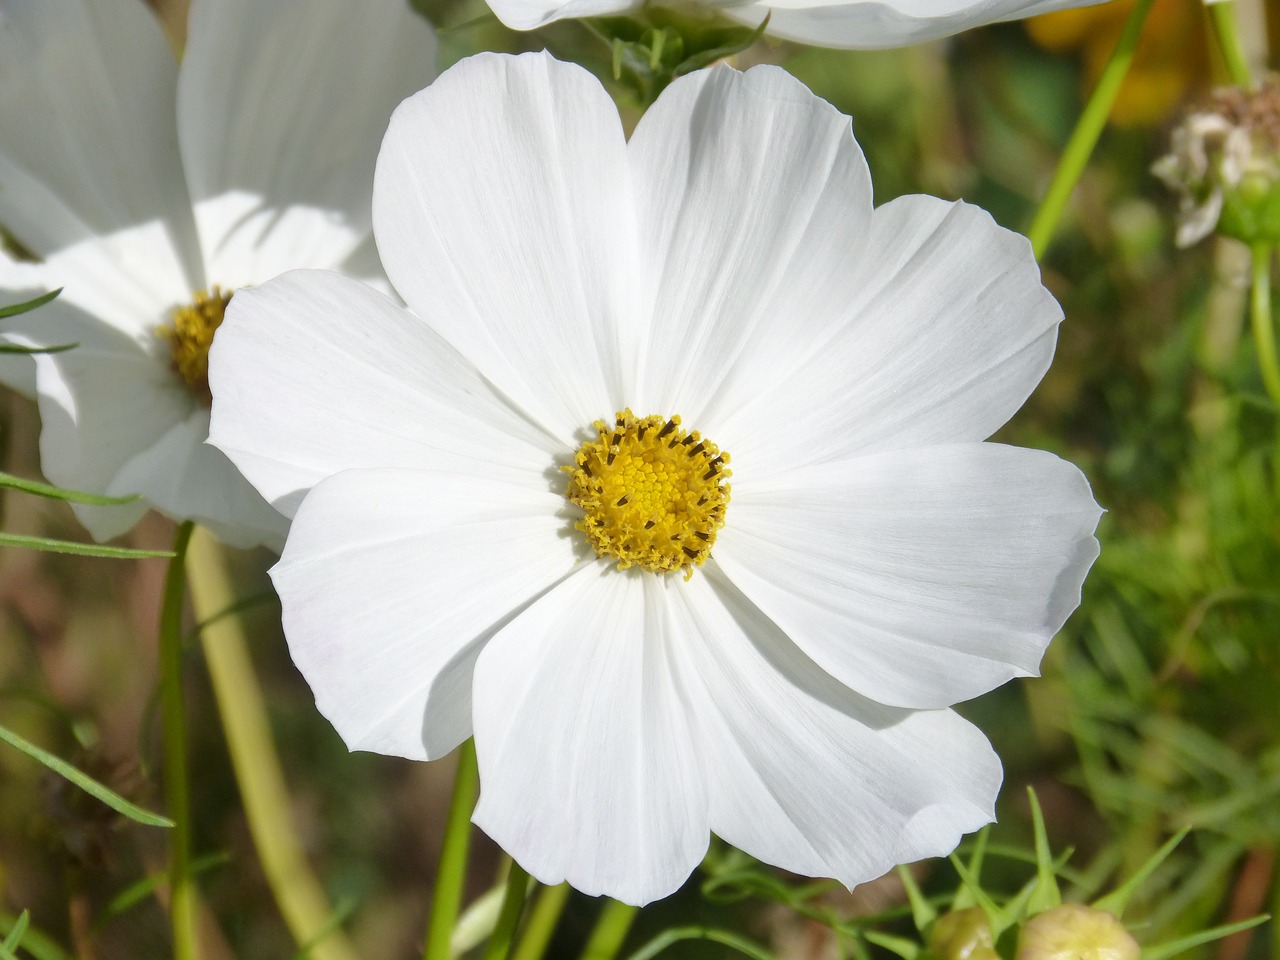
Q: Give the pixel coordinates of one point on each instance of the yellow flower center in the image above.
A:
(653, 495)
(189, 334)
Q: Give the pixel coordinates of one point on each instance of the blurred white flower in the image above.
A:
(149, 188)
(1224, 165)
(874, 562)
(848, 24)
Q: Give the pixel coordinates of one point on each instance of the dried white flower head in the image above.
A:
(1224, 165)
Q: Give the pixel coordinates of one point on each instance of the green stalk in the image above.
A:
(1088, 129)
(451, 874)
(254, 758)
(504, 933)
(182, 907)
(1222, 20)
(1263, 333)
(610, 931)
(542, 922)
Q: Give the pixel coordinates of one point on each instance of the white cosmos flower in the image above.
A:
(878, 561)
(139, 183)
(849, 24)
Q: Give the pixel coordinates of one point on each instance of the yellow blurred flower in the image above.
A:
(1170, 64)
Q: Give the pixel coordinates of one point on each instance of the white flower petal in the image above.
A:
(87, 140)
(586, 769)
(754, 203)
(805, 774)
(950, 331)
(503, 213)
(280, 109)
(112, 282)
(313, 373)
(531, 14)
(920, 577)
(99, 408)
(869, 24)
(392, 669)
(186, 479)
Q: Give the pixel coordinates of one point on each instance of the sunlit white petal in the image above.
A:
(504, 216)
(280, 109)
(398, 405)
(393, 672)
(753, 200)
(918, 577)
(806, 774)
(87, 133)
(587, 771)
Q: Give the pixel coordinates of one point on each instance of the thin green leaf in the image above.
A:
(1118, 899)
(723, 937)
(39, 945)
(963, 899)
(137, 892)
(901, 946)
(1164, 951)
(341, 914)
(33, 351)
(84, 782)
(13, 309)
(78, 549)
(60, 493)
(922, 911)
(999, 919)
(737, 44)
(14, 939)
(1046, 893)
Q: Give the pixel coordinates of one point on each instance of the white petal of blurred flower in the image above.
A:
(847, 24)
(877, 560)
(139, 183)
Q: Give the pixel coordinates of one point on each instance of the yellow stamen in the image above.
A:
(654, 496)
(190, 334)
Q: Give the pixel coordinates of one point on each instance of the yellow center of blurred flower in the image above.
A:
(189, 334)
(654, 495)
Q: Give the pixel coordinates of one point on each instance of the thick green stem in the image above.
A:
(1088, 129)
(451, 874)
(611, 930)
(182, 907)
(1222, 20)
(1264, 335)
(254, 758)
(542, 922)
(504, 933)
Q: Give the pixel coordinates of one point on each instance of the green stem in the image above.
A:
(1222, 20)
(542, 922)
(504, 933)
(451, 874)
(1088, 129)
(611, 929)
(182, 908)
(1263, 334)
(254, 758)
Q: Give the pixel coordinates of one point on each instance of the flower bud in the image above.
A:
(1224, 164)
(1075, 931)
(963, 935)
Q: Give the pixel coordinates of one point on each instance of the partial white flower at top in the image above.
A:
(518, 519)
(152, 192)
(850, 24)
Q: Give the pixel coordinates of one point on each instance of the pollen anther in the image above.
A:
(652, 494)
(189, 334)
